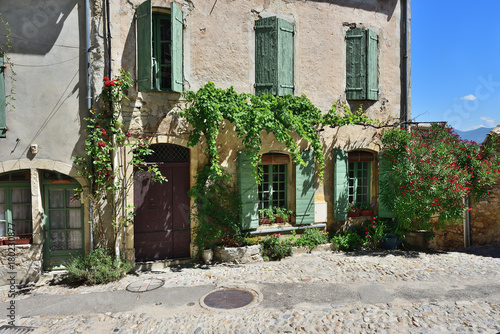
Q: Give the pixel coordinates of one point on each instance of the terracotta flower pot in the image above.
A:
(366, 212)
(353, 214)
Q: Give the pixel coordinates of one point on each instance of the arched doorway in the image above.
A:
(161, 226)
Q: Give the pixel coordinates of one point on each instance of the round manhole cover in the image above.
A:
(145, 285)
(228, 298)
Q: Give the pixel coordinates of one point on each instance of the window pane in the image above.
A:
(57, 240)
(56, 219)
(75, 218)
(165, 29)
(56, 198)
(21, 212)
(21, 195)
(2, 229)
(22, 228)
(74, 239)
(72, 199)
(2, 195)
(2, 212)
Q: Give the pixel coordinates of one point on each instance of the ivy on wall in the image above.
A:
(251, 115)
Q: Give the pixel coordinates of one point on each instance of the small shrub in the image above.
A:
(250, 241)
(312, 238)
(273, 248)
(348, 240)
(97, 267)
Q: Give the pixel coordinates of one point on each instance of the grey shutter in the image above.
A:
(177, 25)
(384, 188)
(372, 65)
(248, 191)
(266, 55)
(144, 15)
(285, 83)
(340, 184)
(304, 189)
(3, 122)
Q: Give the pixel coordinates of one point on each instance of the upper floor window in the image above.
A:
(159, 48)
(274, 56)
(361, 64)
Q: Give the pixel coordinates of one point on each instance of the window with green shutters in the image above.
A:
(274, 56)
(159, 48)
(3, 123)
(361, 64)
(272, 190)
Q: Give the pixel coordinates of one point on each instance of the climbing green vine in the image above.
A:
(7, 62)
(286, 117)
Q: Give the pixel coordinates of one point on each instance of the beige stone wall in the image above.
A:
(485, 219)
(23, 262)
(219, 46)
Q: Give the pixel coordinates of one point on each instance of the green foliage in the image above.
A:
(432, 171)
(274, 248)
(250, 115)
(312, 238)
(216, 212)
(108, 186)
(276, 212)
(347, 240)
(5, 53)
(333, 118)
(98, 267)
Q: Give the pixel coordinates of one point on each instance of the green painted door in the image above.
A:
(63, 225)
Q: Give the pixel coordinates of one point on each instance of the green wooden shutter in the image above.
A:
(285, 58)
(340, 184)
(266, 54)
(356, 64)
(361, 64)
(384, 189)
(3, 123)
(248, 191)
(144, 16)
(372, 65)
(177, 25)
(304, 189)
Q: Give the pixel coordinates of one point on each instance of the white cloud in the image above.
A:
(469, 97)
(489, 121)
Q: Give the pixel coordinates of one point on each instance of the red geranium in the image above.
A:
(101, 144)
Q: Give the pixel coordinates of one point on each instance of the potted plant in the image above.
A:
(352, 210)
(366, 209)
(266, 216)
(274, 215)
(22, 239)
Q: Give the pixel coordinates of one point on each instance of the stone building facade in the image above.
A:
(350, 51)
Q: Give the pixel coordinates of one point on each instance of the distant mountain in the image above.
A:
(478, 135)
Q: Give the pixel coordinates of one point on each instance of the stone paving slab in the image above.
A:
(466, 308)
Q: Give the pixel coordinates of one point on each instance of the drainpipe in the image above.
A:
(89, 101)
(286, 229)
(405, 63)
(467, 226)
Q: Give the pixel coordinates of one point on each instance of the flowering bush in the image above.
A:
(107, 185)
(273, 248)
(432, 171)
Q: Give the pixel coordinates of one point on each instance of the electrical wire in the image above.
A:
(38, 42)
(47, 65)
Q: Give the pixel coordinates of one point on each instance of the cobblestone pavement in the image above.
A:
(462, 313)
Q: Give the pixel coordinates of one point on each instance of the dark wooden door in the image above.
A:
(162, 227)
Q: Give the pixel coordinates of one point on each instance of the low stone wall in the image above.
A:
(485, 219)
(21, 262)
(245, 254)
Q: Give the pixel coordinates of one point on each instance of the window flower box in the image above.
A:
(353, 214)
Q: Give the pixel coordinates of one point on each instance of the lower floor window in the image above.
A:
(15, 211)
(272, 189)
(359, 182)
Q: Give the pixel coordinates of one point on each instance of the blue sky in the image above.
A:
(455, 62)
